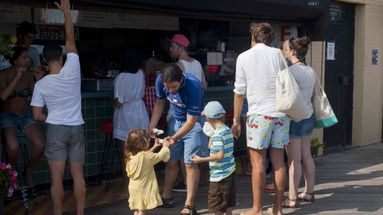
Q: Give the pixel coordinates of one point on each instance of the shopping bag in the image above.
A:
(324, 115)
(289, 99)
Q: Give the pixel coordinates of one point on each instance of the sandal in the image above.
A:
(167, 202)
(306, 197)
(269, 188)
(192, 210)
(286, 203)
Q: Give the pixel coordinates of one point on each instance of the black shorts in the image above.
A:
(221, 195)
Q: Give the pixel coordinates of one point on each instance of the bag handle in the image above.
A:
(317, 84)
(282, 61)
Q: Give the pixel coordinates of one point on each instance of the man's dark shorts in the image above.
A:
(65, 142)
(221, 195)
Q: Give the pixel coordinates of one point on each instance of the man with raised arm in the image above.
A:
(60, 92)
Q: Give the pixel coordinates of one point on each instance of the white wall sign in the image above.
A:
(330, 51)
(47, 16)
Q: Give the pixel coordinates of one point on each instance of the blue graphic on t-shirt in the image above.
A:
(187, 100)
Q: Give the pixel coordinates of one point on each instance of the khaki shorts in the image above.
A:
(221, 195)
(65, 142)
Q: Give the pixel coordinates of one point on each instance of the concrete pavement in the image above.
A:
(347, 182)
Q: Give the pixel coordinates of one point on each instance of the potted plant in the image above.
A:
(6, 43)
(8, 183)
(316, 147)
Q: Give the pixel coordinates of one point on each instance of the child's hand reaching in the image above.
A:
(196, 159)
(157, 142)
(156, 145)
(166, 142)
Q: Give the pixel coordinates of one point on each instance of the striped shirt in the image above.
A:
(222, 139)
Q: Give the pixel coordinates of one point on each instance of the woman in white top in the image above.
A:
(298, 150)
(129, 91)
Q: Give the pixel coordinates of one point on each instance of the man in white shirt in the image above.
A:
(60, 92)
(256, 71)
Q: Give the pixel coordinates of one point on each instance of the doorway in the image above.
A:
(339, 71)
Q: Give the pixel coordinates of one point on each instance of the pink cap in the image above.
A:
(181, 40)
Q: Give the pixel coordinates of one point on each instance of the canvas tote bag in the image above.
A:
(324, 115)
(289, 98)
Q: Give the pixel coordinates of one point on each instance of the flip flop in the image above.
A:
(269, 188)
(306, 197)
(289, 205)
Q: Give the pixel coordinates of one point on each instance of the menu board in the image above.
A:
(145, 21)
(53, 33)
(14, 13)
(95, 19)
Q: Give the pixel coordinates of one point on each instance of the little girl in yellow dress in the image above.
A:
(144, 193)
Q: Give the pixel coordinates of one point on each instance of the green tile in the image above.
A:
(100, 112)
(99, 102)
(91, 158)
(90, 102)
(90, 147)
(100, 145)
(92, 169)
(90, 112)
(98, 122)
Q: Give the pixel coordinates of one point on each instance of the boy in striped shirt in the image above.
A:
(221, 196)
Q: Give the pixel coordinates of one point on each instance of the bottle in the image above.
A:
(223, 47)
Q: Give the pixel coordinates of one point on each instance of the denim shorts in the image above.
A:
(194, 142)
(303, 128)
(9, 120)
(263, 131)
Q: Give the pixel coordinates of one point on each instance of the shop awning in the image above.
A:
(263, 9)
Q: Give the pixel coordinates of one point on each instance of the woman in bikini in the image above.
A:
(16, 87)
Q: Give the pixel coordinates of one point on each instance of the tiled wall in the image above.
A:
(96, 107)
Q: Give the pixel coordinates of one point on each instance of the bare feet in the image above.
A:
(271, 211)
(252, 211)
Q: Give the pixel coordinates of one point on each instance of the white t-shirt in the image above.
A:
(256, 71)
(61, 93)
(305, 78)
(194, 67)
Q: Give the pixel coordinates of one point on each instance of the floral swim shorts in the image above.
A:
(264, 131)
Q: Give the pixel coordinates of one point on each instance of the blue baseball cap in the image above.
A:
(214, 110)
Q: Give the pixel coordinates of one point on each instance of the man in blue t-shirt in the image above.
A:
(185, 94)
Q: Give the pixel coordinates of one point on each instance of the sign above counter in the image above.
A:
(14, 13)
(145, 21)
(54, 33)
(98, 19)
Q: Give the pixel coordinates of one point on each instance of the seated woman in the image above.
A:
(16, 86)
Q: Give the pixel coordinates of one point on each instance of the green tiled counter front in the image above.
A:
(96, 107)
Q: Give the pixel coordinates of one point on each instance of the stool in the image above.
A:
(108, 162)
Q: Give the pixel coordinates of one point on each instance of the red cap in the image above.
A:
(181, 40)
